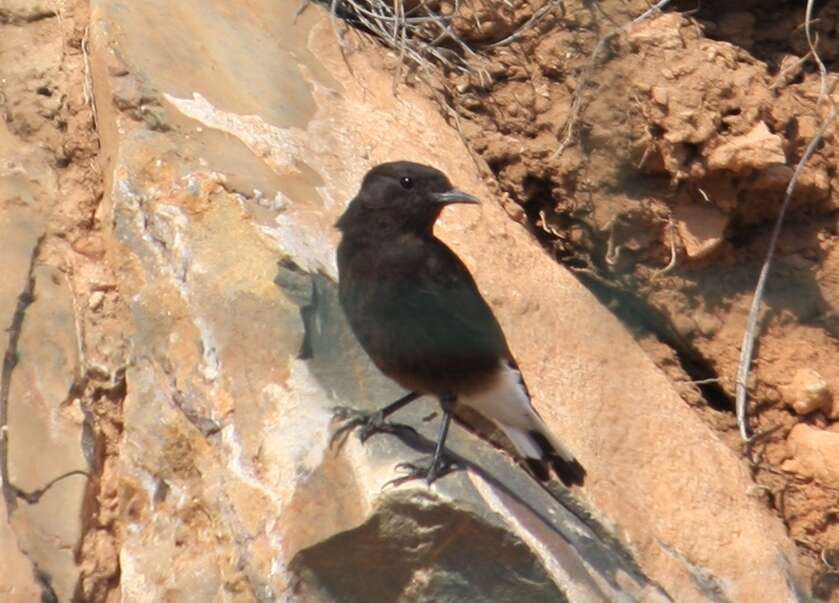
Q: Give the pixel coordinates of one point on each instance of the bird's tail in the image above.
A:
(542, 451)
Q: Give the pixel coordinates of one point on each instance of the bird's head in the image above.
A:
(400, 197)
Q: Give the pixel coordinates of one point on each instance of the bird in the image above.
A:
(417, 312)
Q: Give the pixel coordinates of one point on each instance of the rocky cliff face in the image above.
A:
(170, 176)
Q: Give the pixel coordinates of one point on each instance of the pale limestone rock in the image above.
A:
(231, 483)
(756, 150)
(807, 392)
(95, 301)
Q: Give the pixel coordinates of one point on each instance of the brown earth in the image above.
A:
(662, 199)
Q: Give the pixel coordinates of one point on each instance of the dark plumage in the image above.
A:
(415, 309)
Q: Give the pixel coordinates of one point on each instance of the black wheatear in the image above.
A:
(415, 309)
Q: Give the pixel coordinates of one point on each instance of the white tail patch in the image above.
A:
(523, 442)
(507, 403)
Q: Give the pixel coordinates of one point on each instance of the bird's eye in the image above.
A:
(407, 183)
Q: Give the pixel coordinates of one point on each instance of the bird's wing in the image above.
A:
(456, 325)
(445, 323)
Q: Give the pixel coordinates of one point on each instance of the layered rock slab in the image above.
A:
(235, 138)
(42, 422)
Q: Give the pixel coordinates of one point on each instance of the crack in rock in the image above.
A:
(10, 492)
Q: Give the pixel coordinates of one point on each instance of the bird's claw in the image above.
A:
(430, 471)
(367, 423)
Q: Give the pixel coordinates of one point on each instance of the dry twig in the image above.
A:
(529, 24)
(89, 98)
(747, 348)
(812, 43)
(417, 34)
(671, 231)
(749, 337)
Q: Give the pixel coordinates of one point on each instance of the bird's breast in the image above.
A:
(416, 312)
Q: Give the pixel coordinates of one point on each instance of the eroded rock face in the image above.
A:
(47, 433)
(231, 140)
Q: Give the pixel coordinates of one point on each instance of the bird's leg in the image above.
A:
(374, 422)
(439, 465)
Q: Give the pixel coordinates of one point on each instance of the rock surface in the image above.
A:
(231, 140)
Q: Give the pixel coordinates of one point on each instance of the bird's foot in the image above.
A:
(367, 423)
(429, 471)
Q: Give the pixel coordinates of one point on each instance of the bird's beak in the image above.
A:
(454, 196)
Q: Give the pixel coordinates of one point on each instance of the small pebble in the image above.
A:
(660, 95)
(94, 302)
(807, 392)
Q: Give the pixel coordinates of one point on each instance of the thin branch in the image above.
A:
(649, 12)
(33, 497)
(333, 18)
(812, 44)
(304, 4)
(89, 97)
(747, 349)
(749, 337)
(530, 23)
(779, 78)
(704, 381)
(416, 36)
(671, 230)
